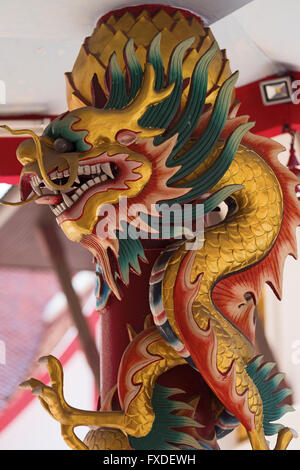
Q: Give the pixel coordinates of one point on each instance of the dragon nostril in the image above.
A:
(62, 145)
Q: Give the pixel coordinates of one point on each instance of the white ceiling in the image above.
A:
(261, 38)
(40, 39)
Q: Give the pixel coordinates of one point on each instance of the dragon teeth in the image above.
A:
(103, 172)
(36, 188)
(55, 211)
(68, 201)
(75, 197)
(107, 170)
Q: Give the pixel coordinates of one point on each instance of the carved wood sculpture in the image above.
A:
(152, 119)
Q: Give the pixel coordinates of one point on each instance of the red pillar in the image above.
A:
(132, 309)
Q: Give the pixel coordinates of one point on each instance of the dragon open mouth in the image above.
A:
(95, 175)
(88, 176)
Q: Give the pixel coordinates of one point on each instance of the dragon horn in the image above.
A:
(147, 95)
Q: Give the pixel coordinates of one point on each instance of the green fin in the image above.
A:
(163, 435)
(206, 181)
(130, 251)
(161, 115)
(135, 71)
(195, 102)
(118, 95)
(271, 397)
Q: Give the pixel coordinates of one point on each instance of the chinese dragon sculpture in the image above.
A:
(152, 118)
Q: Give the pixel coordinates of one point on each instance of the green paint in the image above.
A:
(271, 398)
(164, 435)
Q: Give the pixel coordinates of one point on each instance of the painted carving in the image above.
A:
(152, 120)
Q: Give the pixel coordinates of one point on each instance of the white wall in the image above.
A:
(35, 429)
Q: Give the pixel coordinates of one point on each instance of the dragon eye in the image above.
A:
(62, 145)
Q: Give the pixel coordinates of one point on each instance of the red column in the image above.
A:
(132, 309)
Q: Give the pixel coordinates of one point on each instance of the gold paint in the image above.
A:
(231, 246)
(139, 417)
(113, 35)
(284, 437)
(143, 31)
(141, 410)
(231, 344)
(109, 122)
(71, 159)
(106, 439)
(26, 152)
(102, 35)
(41, 158)
(261, 308)
(85, 67)
(162, 20)
(258, 440)
(19, 203)
(74, 229)
(126, 22)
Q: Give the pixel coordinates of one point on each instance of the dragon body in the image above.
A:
(151, 103)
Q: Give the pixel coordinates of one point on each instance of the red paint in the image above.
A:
(10, 167)
(132, 309)
(151, 9)
(269, 119)
(202, 345)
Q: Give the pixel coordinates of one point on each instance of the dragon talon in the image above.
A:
(284, 438)
(43, 360)
(37, 391)
(25, 385)
(55, 371)
(30, 384)
(166, 136)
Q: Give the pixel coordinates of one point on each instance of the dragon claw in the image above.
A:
(51, 396)
(25, 385)
(30, 384)
(37, 391)
(284, 437)
(43, 360)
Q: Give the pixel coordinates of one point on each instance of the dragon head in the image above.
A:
(90, 159)
(87, 160)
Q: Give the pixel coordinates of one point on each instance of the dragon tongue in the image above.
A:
(49, 199)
